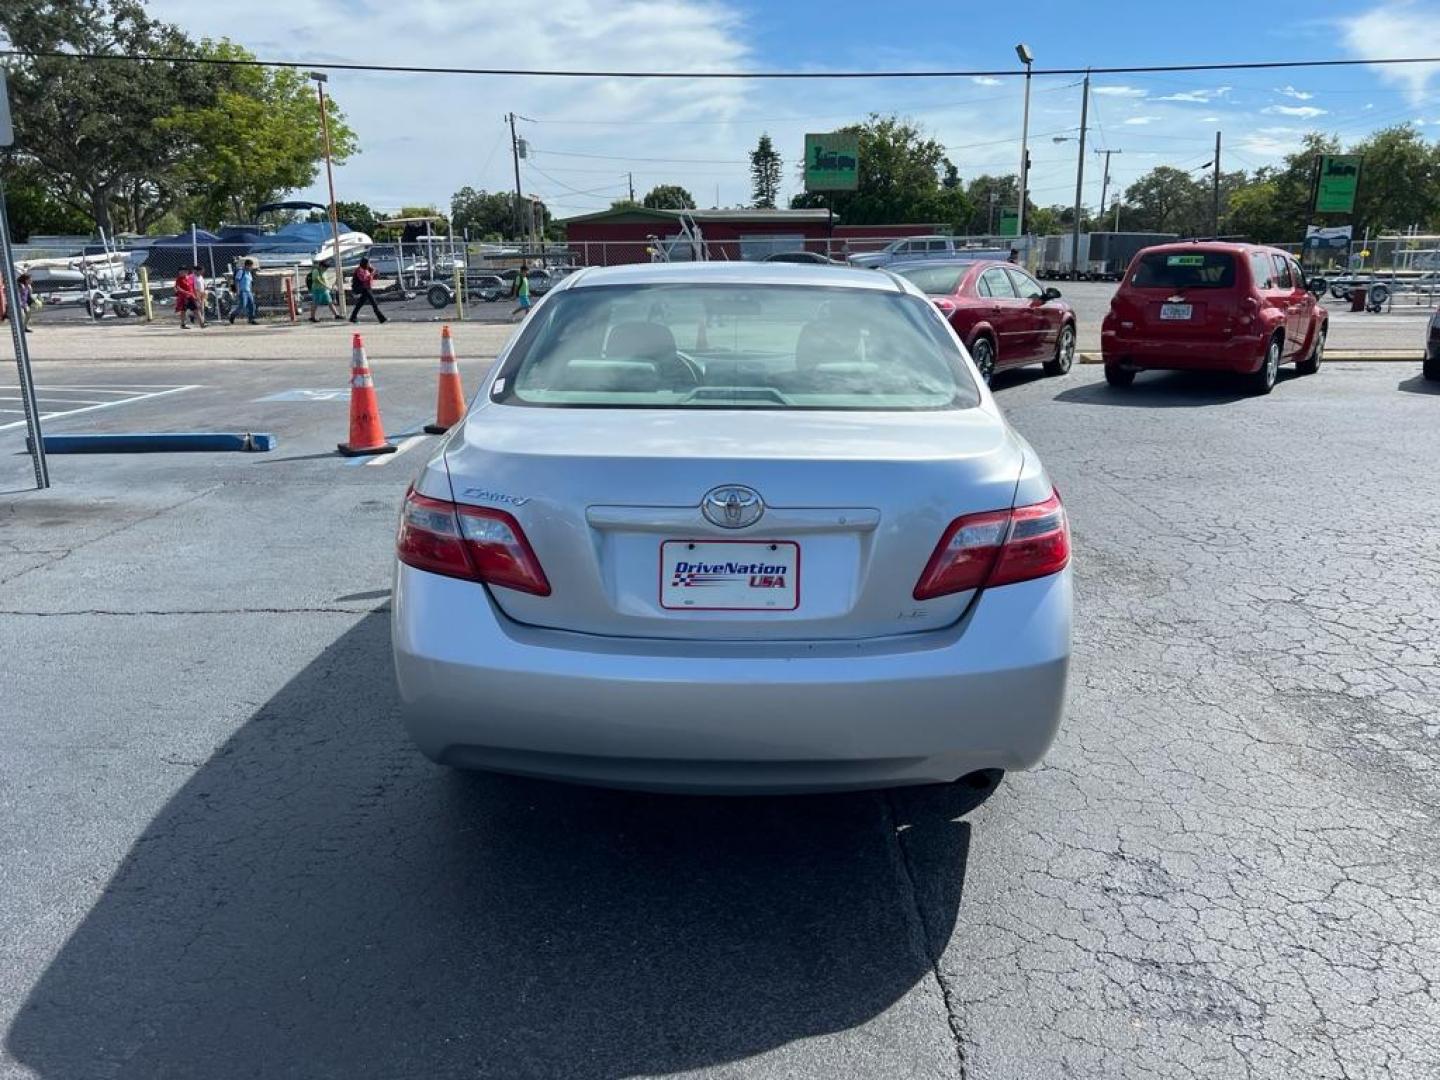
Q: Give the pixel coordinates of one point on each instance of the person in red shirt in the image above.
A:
(363, 284)
(187, 299)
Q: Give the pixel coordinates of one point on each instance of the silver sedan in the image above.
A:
(733, 528)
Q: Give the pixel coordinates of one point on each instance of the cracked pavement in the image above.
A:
(222, 858)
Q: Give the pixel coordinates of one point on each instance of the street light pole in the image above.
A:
(320, 80)
(1027, 58)
(1080, 178)
(1105, 184)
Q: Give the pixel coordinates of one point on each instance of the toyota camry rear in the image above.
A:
(738, 528)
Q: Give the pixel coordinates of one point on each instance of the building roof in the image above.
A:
(623, 214)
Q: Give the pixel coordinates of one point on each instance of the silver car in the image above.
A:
(738, 528)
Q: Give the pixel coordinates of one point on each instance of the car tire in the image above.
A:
(1118, 376)
(438, 295)
(1263, 380)
(983, 353)
(1064, 352)
(1431, 367)
(1311, 364)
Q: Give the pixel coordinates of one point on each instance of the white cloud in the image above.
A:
(1204, 120)
(988, 80)
(1197, 96)
(1304, 112)
(1120, 91)
(424, 136)
(1291, 92)
(1394, 30)
(1136, 121)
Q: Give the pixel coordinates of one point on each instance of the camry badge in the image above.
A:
(732, 506)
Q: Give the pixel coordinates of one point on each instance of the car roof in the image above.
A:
(1233, 247)
(736, 273)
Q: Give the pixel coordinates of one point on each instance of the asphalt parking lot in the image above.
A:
(222, 858)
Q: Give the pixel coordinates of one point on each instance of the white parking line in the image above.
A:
(406, 444)
(58, 414)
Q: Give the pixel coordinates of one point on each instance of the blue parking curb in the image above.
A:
(160, 442)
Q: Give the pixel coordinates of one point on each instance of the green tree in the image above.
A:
(765, 167)
(1165, 199)
(899, 179)
(31, 208)
(358, 216)
(668, 197)
(1399, 180)
(258, 138)
(91, 129)
(486, 214)
(1253, 211)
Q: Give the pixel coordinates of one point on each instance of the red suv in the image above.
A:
(1213, 307)
(1001, 313)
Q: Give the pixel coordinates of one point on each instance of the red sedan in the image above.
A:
(1001, 313)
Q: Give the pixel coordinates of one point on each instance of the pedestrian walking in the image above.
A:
(363, 284)
(202, 289)
(187, 300)
(318, 285)
(29, 302)
(522, 291)
(244, 292)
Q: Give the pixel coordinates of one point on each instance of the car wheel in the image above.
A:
(1311, 364)
(1431, 370)
(983, 353)
(1118, 376)
(1064, 353)
(438, 295)
(1263, 381)
(123, 309)
(1378, 297)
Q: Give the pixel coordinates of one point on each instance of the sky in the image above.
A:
(424, 136)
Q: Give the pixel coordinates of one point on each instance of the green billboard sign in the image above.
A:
(1009, 221)
(832, 161)
(1339, 179)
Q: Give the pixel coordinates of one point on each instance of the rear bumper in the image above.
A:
(1242, 355)
(481, 691)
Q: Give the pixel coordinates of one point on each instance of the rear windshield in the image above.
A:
(1184, 270)
(735, 347)
(934, 280)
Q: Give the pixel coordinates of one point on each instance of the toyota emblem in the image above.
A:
(732, 506)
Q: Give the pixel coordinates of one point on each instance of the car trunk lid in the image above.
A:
(853, 505)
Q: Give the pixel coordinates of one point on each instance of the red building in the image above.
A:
(628, 234)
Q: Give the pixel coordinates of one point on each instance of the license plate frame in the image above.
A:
(744, 588)
(1177, 312)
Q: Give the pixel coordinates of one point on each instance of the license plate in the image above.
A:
(1175, 311)
(738, 575)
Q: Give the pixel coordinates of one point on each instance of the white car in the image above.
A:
(744, 527)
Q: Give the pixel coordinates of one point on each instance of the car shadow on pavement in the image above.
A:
(1418, 384)
(1018, 376)
(1168, 390)
(319, 901)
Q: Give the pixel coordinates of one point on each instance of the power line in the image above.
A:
(552, 73)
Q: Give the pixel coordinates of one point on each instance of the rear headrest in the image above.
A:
(827, 343)
(640, 341)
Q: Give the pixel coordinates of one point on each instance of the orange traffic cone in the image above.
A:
(450, 397)
(367, 434)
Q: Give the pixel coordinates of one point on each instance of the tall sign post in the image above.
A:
(1337, 183)
(320, 80)
(17, 316)
(832, 163)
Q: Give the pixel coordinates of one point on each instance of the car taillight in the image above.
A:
(998, 547)
(947, 307)
(469, 542)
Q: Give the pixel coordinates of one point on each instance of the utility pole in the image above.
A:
(1215, 209)
(1080, 177)
(1105, 184)
(631, 177)
(320, 80)
(1027, 58)
(519, 199)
